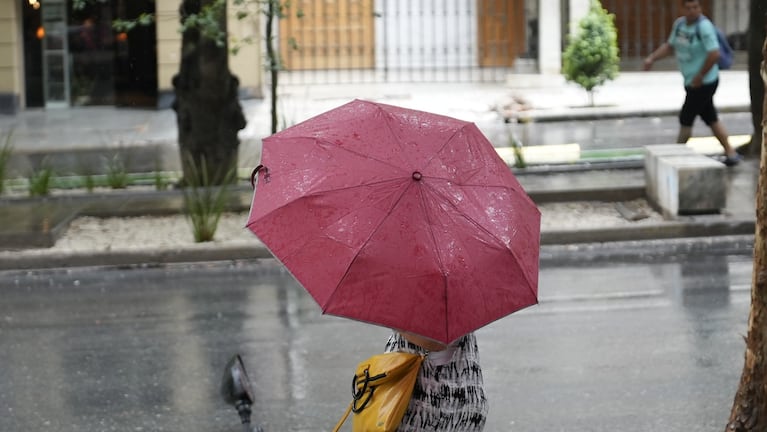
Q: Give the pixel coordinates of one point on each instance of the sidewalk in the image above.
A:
(74, 132)
(78, 131)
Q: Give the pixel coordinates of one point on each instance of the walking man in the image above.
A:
(694, 42)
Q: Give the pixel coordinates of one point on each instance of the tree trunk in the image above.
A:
(749, 410)
(756, 35)
(208, 110)
(273, 10)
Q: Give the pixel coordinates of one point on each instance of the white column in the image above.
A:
(549, 37)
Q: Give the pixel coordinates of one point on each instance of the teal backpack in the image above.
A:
(725, 50)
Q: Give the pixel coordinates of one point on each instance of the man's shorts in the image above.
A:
(699, 102)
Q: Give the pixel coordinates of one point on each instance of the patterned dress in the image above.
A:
(449, 394)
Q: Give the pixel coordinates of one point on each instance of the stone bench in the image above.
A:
(679, 181)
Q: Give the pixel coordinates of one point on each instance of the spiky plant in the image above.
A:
(40, 180)
(5, 156)
(204, 202)
(117, 172)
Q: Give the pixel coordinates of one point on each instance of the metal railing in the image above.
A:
(406, 40)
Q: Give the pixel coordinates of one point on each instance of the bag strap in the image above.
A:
(680, 21)
(343, 418)
(697, 26)
(677, 26)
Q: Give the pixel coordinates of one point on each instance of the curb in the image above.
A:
(606, 113)
(646, 250)
(48, 259)
(557, 247)
(690, 230)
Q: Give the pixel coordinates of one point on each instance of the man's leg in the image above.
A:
(687, 116)
(721, 134)
(685, 132)
(710, 116)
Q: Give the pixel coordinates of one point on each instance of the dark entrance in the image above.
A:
(100, 66)
(136, 58)
(33, 55)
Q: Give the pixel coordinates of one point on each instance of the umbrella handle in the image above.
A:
(255, 173)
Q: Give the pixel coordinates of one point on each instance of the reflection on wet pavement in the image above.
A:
(630, 347)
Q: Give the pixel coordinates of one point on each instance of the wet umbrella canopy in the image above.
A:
(399, 218)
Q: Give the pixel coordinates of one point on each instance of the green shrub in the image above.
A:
(5, 156)
(519, 156)
(591, 57)
(40, 180)
(87, 174)
(89, 182)
(161, 182)
(117, 172)
(203, 202)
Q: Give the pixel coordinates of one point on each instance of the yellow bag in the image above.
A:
(381, 390)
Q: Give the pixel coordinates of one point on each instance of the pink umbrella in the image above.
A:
(400, 218)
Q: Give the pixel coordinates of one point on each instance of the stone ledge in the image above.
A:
(679, 181)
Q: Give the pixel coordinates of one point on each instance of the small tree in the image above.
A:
(591, 57)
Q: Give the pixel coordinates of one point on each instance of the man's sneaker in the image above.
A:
(732, 160)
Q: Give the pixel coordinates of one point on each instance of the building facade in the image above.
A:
(53, 56)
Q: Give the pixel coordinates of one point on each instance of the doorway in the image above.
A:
(502, 31)
(73, 57)
(331, 34)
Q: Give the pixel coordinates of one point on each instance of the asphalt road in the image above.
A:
(625, 347)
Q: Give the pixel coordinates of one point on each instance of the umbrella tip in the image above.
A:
(417, 176)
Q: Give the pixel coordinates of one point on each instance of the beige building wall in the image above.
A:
(168, 48)
(11, 59)
(246, 64)
(245, 37)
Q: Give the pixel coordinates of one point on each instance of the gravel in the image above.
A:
(92, 234)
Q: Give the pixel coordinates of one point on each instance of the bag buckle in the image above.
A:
(358, 393)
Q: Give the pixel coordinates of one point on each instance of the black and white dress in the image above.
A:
(449, 395)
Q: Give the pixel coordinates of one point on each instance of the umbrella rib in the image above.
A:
(439, 257)
(318, 192)
(356, 153)
(447, 141)
(344, 188)
(357, 254)
(389, 125)
(477, 224)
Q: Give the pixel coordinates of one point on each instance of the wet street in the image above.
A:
(628, 347)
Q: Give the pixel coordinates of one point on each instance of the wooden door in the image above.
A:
(328, 34)
(502, 31)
